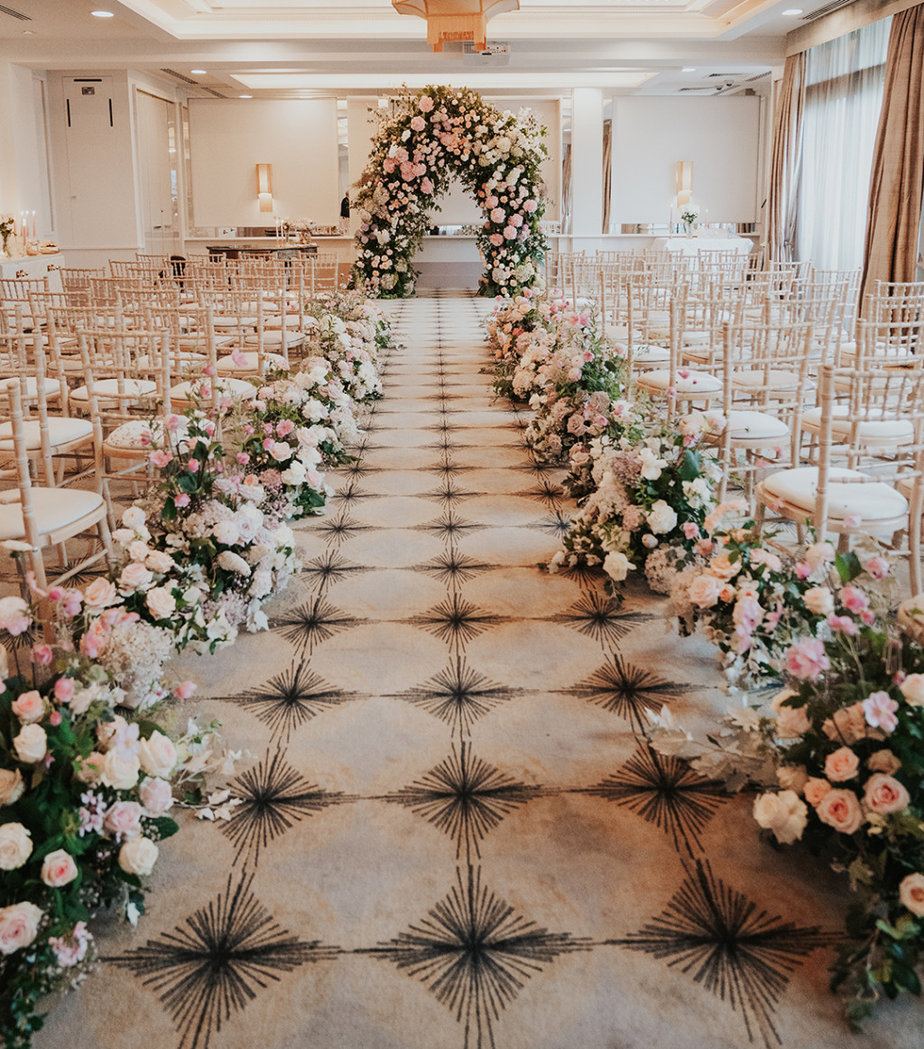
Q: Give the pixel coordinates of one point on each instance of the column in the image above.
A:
(587, 165)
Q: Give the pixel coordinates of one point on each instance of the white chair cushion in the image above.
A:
(616, 332)
(54, 508)
(870, 500)
(236, 388)
(223, 321)
(131, 435)
(227, 366)
(108, 390)
(874, 430)
(30, 387)
(273, 337)
(145, 362)
(696, 338)
(753, 426)
(693, 383)
(645, 353)
(60, 431)
(773, 379)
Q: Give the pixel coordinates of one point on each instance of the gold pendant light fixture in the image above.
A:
(449, 20)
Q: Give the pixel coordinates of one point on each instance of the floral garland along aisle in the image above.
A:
(837, 757)
(86, 785)
(425, 139)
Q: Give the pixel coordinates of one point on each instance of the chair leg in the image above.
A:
(105, 537)
(759, 518)
(914, 558)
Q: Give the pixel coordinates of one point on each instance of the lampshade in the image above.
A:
(684, 180)
(265, 186)
(455, 19)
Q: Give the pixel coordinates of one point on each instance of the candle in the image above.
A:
(33, 223)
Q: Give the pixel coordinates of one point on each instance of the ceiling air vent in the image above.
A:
(212, 91)
(820, 12)
(496, 54)
(14, 14)
(180, 76)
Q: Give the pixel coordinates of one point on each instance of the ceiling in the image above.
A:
(296, 48)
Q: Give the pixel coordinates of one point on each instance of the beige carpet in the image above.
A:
(453, 834)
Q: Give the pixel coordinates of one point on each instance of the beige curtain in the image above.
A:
(785, 160)
(607, 172)
(897, 182)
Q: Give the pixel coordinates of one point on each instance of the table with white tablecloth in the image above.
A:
(692, 245)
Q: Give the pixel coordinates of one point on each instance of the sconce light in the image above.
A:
(684, 180)
(265, 186)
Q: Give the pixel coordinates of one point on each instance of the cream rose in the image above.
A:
(911, 893)
(158, 561)
(912, 688)
(160, 602)
(722, 567)
(819, 600)
(11, 786)
(100, 593)
(792, 777)
(157, 754)
(138, 856)
(884, 761)
(662, 517)
(58, 869)
(784, 813)
(791, 722)
(815, 789)
(29, 707)
(227, 533)
(15, 846)
(156, 796)
(118, 772)
(885, 795)
(704, 591)
(31, 744)
(840, 810)
(19, 925)
(842, 764)
(617, 566)
(134, 576)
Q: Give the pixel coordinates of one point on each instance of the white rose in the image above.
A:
(231, 562)
(617, 566)
(15, 846)
(11, 786)
(161, 603)
(226, 533)
(158, 561)
(31, 744)
(118, 772)
(819, 600)
(18, 926)
(661, 517)
(134, 517)
(138, 856)
(157, 755)
(785, 814)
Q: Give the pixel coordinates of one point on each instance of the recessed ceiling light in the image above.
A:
(102, 14)
(688, 69)
(245, 96)
(197, 72)
(791, 12)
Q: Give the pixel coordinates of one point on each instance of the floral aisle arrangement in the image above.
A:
(511, 320)
(350, 353)
(653, 490)
(752, 600)
(424, 139)
(85, 798)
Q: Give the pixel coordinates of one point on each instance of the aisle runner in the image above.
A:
(452, 832)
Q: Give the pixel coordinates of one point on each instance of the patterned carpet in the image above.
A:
(452, 832)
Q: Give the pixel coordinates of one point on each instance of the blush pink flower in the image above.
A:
(878, 567)
(854, 600)
(181, 500)
(843, 625)
(806, 660)
(160, 458)
(880, 708)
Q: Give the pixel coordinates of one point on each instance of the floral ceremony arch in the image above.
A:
(425, 139)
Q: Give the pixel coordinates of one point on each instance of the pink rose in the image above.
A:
(854, 600)
(910, 892)
(160, 458)
(878, 567)
(19, 925)
(840, 810)
(510, 233)
(58, 869)
(530, 205)
(885, 795)
(815, 789)
(184, 690)
(806, 660)
(426, 185)
(690, 530)
(29, 707)
(14, 617)
(425, 105)
(123, 820)
(418, 124)
(156, 795)
(496, 239)
(42, 655)
(842, 764)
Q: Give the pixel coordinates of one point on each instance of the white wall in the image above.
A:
(720, 135)
(229, 138)
(23, 155)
